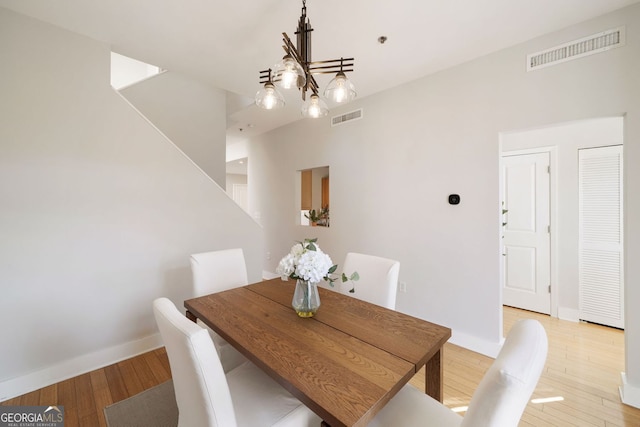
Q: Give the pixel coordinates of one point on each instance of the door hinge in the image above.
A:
(548, 169)
(549, 288)
(548, 229)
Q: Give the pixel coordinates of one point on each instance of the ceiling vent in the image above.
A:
(595, 43)
(346, 117)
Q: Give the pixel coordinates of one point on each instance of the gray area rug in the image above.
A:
(155, 407)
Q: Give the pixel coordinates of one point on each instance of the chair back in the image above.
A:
(505, 389)
(218, 271)
(201, 388)
(378, 283)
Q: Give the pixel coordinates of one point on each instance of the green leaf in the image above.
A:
(352, 291)
(355, 276)
(333, 269)
(311, 247)
(344, 278)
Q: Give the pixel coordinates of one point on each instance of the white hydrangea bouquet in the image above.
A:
(308, 265)
(307, 262)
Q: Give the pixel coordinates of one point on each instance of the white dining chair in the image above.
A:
(501, 396)
(378, 282)
(218, 271)
(206, 396)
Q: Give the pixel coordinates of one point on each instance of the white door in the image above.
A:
(241, 196)
(526, 232)
(600, 248)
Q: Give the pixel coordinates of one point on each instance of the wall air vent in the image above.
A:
(589, 45)
(346, 117)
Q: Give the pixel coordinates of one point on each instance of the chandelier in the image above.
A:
(296, 70)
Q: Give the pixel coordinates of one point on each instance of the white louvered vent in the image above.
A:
(589, 45)
(346, 117)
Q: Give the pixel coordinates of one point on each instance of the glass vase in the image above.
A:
(306, 299)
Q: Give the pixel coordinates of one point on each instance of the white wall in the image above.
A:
(237, 150)
(392, 171)
(98, 214)
(190, 113)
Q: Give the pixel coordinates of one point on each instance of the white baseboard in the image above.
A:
(76, 366)
(269, 275)
(569, 314)
(472, 343)
(629, 394)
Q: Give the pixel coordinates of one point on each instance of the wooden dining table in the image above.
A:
(345, 363)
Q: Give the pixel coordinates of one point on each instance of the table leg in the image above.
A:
(190, 316)
(433, 377)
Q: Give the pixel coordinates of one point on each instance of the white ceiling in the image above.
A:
(226, 43)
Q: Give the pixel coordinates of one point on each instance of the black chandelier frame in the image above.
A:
(301, 53)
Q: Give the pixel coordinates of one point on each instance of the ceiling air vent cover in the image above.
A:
(346, 117)
(595, 43)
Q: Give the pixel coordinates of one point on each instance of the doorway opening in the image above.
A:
(562, 144)
(237, 183)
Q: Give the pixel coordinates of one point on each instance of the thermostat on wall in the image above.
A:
(454, 199)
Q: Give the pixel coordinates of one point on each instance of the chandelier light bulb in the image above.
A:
(314, 107)
(289, 74)
(340, 93)
(340, 89)
(269, 98)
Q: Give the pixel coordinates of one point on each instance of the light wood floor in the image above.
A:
(583, 367)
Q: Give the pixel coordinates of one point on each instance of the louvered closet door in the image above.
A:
(600, 221)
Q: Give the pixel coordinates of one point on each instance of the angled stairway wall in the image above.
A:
(99, 212)
(189, 113)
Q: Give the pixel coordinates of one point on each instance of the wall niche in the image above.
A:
(314, 196)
